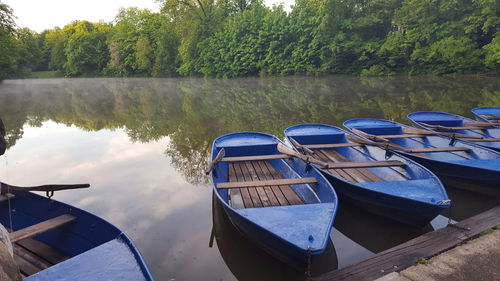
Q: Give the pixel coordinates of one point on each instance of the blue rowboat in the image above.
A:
(463, 164)
(481, 133)
(487, 114)
(389, 185)
(283, 204)
(76, 246)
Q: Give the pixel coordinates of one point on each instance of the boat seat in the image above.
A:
(240, 184)
(402, 136)
(255, 158)
(39, 228)
(332, 145)
(260, 185)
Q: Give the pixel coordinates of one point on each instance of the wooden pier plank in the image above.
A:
(407, 254)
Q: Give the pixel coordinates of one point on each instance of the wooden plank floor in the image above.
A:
(407, 254)
(33, 256)
(259, 196)
(349, 174)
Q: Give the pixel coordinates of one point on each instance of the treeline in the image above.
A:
(231, 38)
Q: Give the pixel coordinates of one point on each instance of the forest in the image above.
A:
(235, 38)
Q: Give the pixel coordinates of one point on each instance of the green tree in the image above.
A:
(8, 52)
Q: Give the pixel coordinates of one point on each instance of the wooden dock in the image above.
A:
(407, 254)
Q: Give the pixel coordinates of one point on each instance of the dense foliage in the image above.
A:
(230, 38)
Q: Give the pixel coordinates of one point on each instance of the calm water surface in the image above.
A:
(143, 145)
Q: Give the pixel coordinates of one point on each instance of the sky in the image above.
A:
(39, 15)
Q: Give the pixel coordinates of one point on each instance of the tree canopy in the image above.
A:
(232, 38)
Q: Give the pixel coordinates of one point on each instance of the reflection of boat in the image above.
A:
(488, 114)
(384, 233)
(389, 185)
(481, 133)
(76, 246)
(282, 203)
(472, 166)
(467, 204)
(248, 262)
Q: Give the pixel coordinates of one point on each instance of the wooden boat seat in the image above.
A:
(255, 158)
(239, 184)
(260, 175)
(402, 136)
(332, 145)
(39, 228)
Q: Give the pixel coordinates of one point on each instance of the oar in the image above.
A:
(481, 124)
(299, 146)
(385, 145)
(434, 133)
(449, 128)
(216, 160)
(285, 150)
(370, 136)
(48, 187)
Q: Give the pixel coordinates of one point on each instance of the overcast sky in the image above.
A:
(39, 15)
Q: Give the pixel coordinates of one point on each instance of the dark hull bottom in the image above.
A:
(396, 208)
(482, 187)
(391, 213)
(300, 261)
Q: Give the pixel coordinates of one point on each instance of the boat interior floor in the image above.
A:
(33, 256)
(348, 174)
(259, 196)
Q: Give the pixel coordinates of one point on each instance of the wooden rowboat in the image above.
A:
(482, 133)
(56, 241)
(282, 203)
(389, 185)
(487, 114)
(465, 164)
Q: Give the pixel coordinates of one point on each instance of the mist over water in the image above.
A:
(143, 145)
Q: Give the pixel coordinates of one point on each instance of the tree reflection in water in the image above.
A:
(192, 112)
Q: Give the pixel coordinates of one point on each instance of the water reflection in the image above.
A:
(384, 233)
(192, 112)
(143, 145)
(248, 262)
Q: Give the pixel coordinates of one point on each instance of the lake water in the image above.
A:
(143, 145)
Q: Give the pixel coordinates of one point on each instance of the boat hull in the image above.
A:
(294, 234)
(401, 209)
(482, 166)
(385, 197)
(97, 249)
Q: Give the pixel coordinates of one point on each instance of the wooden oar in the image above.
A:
(48, 187)
(480, 124)
(385, 145)
(216, 160)
(306, 150)
(285, 150)
(418, 131)
(450, 128)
